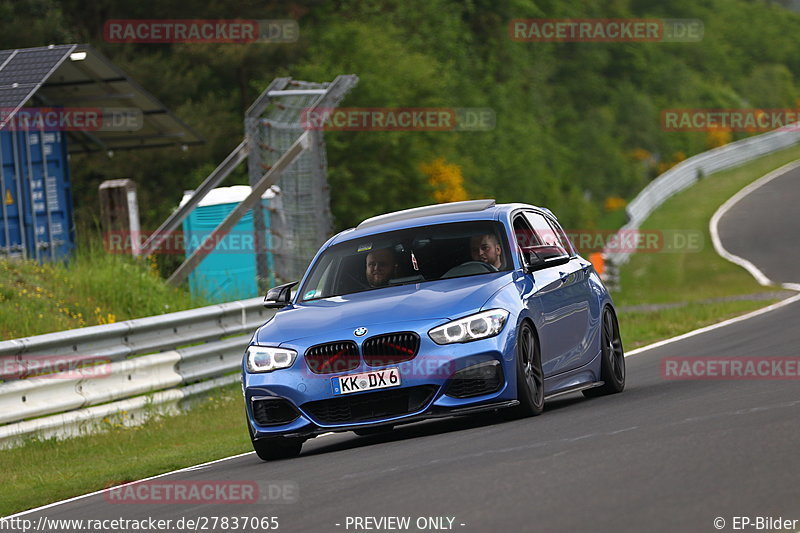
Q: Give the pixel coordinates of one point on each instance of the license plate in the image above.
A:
(378, 379)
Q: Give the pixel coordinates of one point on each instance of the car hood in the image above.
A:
(441, 299)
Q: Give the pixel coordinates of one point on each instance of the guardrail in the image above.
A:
(696, 167)
(75, 378)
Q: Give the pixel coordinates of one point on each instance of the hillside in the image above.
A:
(576, 123)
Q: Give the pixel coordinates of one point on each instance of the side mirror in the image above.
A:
(543, 256)
(280, 296)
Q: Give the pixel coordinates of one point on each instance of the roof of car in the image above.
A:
(432, 214)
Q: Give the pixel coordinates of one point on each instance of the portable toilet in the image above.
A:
(35, 195)
(229, 271)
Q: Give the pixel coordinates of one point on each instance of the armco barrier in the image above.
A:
(130, 411)
(689, 171)
(129, 366)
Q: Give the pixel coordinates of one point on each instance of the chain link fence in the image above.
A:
(301, 220)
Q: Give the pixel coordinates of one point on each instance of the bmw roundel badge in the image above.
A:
(360, 332)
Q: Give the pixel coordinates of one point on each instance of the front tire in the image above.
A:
(530, 378)
(271, 449)
(612, 369)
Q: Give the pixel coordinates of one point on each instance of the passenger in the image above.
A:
(486, 248)
(381, 266)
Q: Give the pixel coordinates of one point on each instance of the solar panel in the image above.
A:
(49, 78)
(5, 54)
(10, 97)
(32, 66)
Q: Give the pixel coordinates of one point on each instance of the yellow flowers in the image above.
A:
(716, 137)
(446, 180)
(100, 318)
(614, 203)
(152, 264)
(639, 154)
(677, 157)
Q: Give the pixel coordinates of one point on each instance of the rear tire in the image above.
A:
(612, 369)
(530, 378)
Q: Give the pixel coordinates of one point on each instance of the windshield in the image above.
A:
(411, 255)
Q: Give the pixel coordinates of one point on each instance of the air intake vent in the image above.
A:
(332, 357)
(483, 378)
(371, 405)
(273, 412)
(389, 349)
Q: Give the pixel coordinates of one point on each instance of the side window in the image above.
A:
(562, 237)
(523, 232)
(544, 231)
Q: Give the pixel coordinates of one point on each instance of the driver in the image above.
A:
(486, 248)
(381, 266)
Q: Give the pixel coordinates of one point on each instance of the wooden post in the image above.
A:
(119, 214)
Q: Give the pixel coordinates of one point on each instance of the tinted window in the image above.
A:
(562, 237)
(524, 233)
(412, 255)
(544, 231)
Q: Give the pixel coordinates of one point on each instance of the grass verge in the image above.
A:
(94, 287)
(45, 471)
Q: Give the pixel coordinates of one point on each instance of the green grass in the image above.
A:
(654, 278)
(45, 471)
(40, 472)
(645, 327)
(94, 287)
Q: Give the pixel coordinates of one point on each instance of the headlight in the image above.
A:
(266, 359)
(470, 328)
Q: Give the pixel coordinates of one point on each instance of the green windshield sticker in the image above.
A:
(365, 247)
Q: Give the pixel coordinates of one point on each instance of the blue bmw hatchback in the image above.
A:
(435, 311)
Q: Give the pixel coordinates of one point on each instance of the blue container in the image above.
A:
(229, 272)
(36, 214)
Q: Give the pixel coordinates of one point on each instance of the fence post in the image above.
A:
(119, 211)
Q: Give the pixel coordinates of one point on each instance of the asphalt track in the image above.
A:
(764, 228)
(665, 455)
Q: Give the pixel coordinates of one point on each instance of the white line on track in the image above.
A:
(750, 267)
(760, 277)
(732, 201)
(728, 322)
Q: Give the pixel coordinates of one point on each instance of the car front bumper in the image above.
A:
(430, 373)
